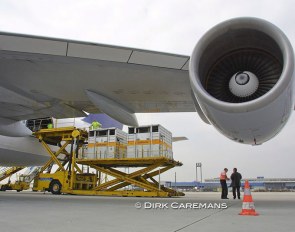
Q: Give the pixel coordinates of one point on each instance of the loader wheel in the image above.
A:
(3, 188)
(55, 187)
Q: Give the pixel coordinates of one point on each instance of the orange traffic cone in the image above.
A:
(248, 207)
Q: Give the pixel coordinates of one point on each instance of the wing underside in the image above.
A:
(43, 77)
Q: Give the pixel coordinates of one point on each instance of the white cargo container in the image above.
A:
(106, 143)
(149, 141)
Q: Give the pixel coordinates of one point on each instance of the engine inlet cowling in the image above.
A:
(241, 74)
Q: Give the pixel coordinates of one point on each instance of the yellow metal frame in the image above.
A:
(9, 172)
(74, 181)
(18, 186)
(68, 135)
(137, 178)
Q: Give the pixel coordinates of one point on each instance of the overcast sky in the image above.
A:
(174, 27)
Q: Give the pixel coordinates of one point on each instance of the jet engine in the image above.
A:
(241, 74)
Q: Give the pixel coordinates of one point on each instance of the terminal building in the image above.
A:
(257, 184)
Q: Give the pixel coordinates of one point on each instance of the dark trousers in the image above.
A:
(236, 190)
(224, 191)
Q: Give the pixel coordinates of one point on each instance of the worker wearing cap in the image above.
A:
(223, 179)
(95, 125)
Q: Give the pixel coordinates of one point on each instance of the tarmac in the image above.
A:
(201, 211)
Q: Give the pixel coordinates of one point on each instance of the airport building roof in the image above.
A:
(254, 182)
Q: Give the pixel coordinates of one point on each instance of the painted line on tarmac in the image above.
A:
(202, 219)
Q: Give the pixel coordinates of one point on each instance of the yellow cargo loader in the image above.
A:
(17, 185)
(71, 178)
(23, 181)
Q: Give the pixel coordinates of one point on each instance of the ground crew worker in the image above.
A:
(95, 125)
(236, 183)
(223, 179)
(50, 126)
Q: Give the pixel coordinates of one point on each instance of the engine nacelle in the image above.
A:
(241, 74)
(13, 128)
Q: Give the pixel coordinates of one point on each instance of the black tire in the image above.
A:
(3, 188)
(55, 187)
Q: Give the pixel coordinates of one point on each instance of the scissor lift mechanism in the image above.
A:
(143, 178)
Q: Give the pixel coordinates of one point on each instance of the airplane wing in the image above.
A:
(241, 80)
(43, 77)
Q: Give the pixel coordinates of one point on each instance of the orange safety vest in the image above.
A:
(223, 176)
